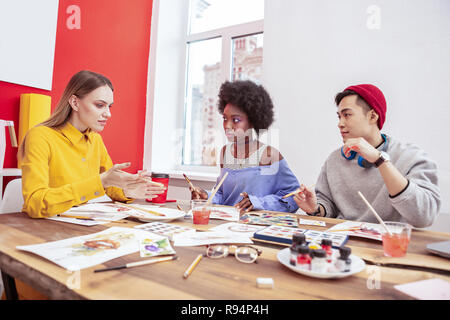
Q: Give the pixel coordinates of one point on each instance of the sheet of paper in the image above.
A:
(110, 216)
(86, 251)
(101, 207)
(358, 229)
(431, 289)
(312, 222)
(238, 229)
(81, 222)
(209, 237)
(151, 246)
(165, 229)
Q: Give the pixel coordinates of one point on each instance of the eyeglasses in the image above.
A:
(246, 254)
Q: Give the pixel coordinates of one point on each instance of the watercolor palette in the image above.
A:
(166, 229)
(283, 235)
(267, 219)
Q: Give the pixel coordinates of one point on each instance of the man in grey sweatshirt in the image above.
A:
(398, 179)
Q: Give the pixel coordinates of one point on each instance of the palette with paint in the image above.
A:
(283, 235)
(357, 265)
(267, 219)
(166, 229)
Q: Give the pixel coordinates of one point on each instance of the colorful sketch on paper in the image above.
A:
(86, 251)
(152, 247)
(265, 218)
(358, 229)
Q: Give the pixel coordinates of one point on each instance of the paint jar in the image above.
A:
(293, 255)
(326, 245)
(164, 179)
(319, 261)
(200, 212)
(303, 257)
(396, 243)
(343, 263)
(298, 239)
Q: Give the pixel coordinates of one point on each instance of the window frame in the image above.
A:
(227, 34)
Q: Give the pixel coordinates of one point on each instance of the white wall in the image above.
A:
(314, 49)
(27, 42)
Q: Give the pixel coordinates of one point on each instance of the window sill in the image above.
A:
(193, 175)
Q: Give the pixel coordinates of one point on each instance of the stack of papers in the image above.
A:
(102, 211)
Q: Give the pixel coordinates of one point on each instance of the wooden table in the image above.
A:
(219, 279)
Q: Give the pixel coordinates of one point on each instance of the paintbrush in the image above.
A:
(88, 218)
(189, 181)
(295, 192)
(137, 208)
(138, 263)
(215, 190)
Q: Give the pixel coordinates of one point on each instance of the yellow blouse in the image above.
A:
(61, 169)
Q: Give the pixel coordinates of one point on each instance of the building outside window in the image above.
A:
(224, 42)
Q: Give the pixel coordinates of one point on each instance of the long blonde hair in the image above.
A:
(81, 84)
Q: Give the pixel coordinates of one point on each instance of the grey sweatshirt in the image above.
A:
(341, 179)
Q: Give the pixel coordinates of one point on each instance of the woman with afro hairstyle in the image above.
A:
(258, 175)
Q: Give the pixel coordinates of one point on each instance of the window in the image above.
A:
(224, 41)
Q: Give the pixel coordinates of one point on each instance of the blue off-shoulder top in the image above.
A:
(265, 185)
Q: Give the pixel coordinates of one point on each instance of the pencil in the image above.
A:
(295, 192)
(138, 263)
(88, 218)
(192, 266)
(137, 208)
(189, 181)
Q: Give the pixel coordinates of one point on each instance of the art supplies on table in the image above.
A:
(138, 263)
(192, 266)
(308, 222)
(358, 229)
(92, 214)
(208, 237)
(100, 207)
(150, 247)
(430, 289)
(150, 213)
(86, 251)
(330, 271)
(267, 219)
(221, 213)
(238, 229)
(266, 283)
(166, 229)
(283, 235)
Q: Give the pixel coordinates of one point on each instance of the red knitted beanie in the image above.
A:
(374, 98)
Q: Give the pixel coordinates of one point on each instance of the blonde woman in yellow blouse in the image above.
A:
(64, 161)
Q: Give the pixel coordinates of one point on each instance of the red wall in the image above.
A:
(113, 40)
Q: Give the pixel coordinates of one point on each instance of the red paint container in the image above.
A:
(164, 179)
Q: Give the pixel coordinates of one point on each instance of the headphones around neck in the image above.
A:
(363, 163)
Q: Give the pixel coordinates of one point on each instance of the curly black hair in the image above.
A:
(251, 98)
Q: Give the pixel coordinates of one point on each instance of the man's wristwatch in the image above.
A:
(383, 158)
(317, 212)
